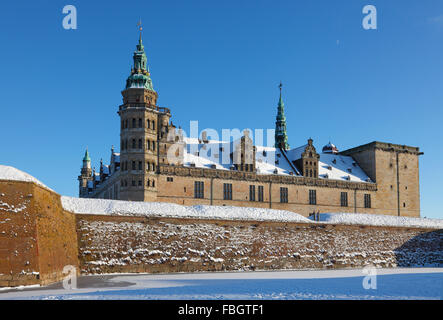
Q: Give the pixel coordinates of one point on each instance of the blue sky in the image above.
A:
(220, 62)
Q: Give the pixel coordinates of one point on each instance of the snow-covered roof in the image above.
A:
(269, 160)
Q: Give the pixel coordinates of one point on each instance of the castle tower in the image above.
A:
(85, 175)
(142, 123)
(281, 138)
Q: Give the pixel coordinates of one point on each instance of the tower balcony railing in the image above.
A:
(144, 105)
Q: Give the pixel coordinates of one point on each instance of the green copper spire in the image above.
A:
(86, 157)
(140, 76)
(281, 137)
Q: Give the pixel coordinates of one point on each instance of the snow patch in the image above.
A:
(11, 173)
(380, 220)
(163, 209)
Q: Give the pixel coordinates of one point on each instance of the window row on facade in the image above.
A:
(137, 165)
(256, 194)
(137, 144)
(137, 123)
(137, 183)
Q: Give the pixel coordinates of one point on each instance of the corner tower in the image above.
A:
(142, 121)
(281, 137)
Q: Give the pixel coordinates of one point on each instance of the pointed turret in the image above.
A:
(85, 175)
(281, 137)
(140, 76)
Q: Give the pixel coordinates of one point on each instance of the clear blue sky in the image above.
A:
(220, 62)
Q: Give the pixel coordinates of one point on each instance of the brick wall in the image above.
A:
(37, 237)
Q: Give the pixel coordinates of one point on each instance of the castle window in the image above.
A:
(313, 197)
(260, 193)
(133, 183)
(140, 144)
(148, 145)
(148, 124)
(310, 173)
(153, 146)
(153, 125)
(148, 183)
(404, 204)
(227, 191)
(133, 165)
(307, 173)
(169, 179)
(283, 195)
(140, 165)
(344, 199)
(199, 189)
(367, 200)
(133, 122)
(153, 183)
(139, 183)
(140, 123)
(133, 144)
(251, 193)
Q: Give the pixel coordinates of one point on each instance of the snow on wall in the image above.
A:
(119, 244)
(132, 208)
(380, 220)
(163, 209)
(11, 173)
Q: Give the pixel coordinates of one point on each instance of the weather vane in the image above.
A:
(139, 25)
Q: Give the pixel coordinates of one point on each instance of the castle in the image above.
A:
(157, 163)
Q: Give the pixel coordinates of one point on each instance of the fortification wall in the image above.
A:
(37, 237)
(110, 244)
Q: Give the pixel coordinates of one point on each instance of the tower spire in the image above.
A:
(281, 137)
(140, 76)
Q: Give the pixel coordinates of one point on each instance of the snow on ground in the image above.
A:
(421, 283)
(117, 207)
(380, 220)
(11, 173)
